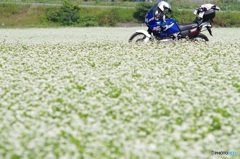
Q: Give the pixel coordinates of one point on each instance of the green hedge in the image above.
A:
(74, 15)
(105, 16)
(71, 14)
(227, 19)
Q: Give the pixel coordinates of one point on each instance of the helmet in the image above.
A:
(162, 5)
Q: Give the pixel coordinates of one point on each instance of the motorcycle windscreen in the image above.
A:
(150, 16)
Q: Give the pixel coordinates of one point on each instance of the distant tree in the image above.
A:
(67, 14)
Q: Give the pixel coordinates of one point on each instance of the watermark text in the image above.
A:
(224, 152)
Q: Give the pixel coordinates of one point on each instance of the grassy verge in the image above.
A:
(36, 15)
(24, 15)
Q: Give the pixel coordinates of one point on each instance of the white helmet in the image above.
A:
(162, 5)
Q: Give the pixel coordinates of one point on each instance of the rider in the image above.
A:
(160, 13)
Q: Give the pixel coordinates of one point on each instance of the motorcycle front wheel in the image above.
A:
(200, 37)
(137, 38)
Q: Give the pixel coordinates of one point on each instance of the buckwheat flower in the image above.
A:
(103, 96)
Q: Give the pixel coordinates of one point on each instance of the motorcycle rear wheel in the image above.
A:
(200, 37)
(137, 38)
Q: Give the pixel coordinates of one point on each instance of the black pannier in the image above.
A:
(209, 14)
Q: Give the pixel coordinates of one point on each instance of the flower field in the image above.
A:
(86, 93)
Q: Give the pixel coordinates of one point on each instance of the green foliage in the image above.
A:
(108, 18)
(227, 19)
(9, 9)
(141, 11)
(87, 21)
(89, 16)
(71, 14)
(186, 4)
(68, 14)
(23, 15)
(183, 16)
(125, 15)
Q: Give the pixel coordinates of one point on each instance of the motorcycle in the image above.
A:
(174, 31)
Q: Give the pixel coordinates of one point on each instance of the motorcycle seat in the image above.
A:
(187, 26)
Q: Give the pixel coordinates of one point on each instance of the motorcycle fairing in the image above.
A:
(172, 26)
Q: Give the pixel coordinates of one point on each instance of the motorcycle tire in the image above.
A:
(137, 38)
(200, 37)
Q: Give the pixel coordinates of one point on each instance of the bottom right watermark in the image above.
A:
(224, 153)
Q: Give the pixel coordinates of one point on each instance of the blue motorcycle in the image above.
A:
(168, 29)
